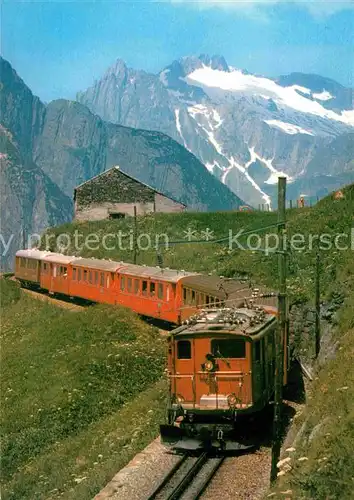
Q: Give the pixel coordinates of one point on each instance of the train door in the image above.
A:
(53, 275)
(183, 382)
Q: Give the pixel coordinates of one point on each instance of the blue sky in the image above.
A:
(59, 48)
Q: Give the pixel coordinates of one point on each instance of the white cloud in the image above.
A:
(316, 7)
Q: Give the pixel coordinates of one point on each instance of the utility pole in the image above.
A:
(23, 234)
(317, 304)
(280, 333)
(135, 235)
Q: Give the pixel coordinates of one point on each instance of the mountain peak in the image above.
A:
(216, 61)
(117, 68)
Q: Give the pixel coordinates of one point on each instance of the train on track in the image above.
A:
(221, 356)
(221, 367)
(162, 293)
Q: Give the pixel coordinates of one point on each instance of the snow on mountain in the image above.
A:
(246, 129)
(323, 96)
(237, 81)
(288, 128)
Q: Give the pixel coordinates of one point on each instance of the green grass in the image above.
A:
(327, 442)
(68, 381)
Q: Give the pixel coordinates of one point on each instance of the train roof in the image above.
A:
(32, 253)
(100, 264)
(59, 258)
(157, 273)
(236, 321)
(215, 285)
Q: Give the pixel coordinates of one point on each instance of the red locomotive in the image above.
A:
(221, 366)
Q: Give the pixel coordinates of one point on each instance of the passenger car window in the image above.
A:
(102, 279)
(122, 283)
(74, 273)
(160, 291)
(85, 275)
(129, 285)
(152, 288)
(184, 350)
(136, 286)
(144, 287)
(228, 348)
(79, 275)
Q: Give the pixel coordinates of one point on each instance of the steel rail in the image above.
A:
(188, 477)
(167, 478)
(208, 477)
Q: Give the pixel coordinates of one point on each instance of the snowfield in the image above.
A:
(236, 81)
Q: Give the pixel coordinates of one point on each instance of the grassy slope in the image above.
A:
(79, 390)
(332, 479)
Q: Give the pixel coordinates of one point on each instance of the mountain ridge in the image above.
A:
(230, 123)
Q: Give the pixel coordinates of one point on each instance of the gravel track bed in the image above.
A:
(240, 478)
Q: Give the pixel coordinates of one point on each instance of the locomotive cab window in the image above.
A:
(228, 348)
(184, 350)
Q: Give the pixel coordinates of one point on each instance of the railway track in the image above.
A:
(188, 478)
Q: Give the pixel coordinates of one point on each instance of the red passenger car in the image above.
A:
(56, 273)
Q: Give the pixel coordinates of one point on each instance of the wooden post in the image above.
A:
(280, 333)
(317, 305)
(135, 235)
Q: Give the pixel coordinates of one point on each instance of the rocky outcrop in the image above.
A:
(21, 112)
(30, 201)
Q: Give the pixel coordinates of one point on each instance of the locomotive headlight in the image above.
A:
(232, 400)
(180, 399)
(209, 365)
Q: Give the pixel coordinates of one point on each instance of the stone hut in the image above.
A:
(115, 194)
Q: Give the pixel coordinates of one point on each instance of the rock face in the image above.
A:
(244, 128)
(30, 201)
(46, 151)
(75, 145)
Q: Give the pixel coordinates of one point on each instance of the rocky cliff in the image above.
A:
(30, 201)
